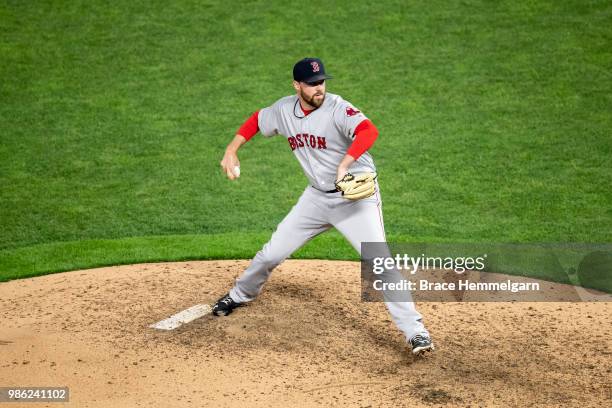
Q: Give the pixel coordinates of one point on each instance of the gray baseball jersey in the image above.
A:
(318, 140)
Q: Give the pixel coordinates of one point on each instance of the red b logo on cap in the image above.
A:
(315, 66)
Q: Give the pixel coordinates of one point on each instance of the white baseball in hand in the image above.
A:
(236, 171)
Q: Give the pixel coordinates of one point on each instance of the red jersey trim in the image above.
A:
(306, 111)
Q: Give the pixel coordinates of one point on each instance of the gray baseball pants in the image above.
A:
(316, 212)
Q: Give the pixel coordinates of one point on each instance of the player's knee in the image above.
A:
(270, 260)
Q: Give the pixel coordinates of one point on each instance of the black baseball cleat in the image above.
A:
(421, 343)
(225, 306)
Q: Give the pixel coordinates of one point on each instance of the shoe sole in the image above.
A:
(220, 313)
(422, 350)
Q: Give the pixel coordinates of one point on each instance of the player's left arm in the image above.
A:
(365, 136)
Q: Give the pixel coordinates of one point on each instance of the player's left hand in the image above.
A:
(341, 172)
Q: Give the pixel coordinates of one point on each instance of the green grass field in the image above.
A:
(495, 121)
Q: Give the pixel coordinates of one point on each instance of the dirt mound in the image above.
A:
(308, 340)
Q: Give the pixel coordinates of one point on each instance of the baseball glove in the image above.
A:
(358, 186)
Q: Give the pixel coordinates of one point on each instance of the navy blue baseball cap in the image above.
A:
(309, 70)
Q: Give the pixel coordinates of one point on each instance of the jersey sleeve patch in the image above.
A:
(351, 111)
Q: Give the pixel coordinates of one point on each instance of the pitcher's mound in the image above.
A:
(308, 340)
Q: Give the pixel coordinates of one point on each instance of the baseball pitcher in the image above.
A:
(330, 138)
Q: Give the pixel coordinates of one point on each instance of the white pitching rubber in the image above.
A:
(181, 318)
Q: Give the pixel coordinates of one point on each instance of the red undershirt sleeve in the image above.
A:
(365, 135)
(250, 127)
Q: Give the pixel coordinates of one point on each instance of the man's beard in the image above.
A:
(312, 101)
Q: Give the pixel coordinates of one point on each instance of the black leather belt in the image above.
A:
(326, 192)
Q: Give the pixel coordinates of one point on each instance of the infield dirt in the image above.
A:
(308, 340)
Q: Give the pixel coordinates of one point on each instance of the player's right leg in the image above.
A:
(304, 222)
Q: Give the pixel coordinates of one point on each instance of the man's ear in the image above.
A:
(296, 85)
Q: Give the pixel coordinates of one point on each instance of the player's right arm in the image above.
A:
(230, 158)
(264, 121)
(244, 134)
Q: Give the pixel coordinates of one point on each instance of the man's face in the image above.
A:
(313, 93)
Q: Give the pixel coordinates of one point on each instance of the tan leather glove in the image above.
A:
(358, 186)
